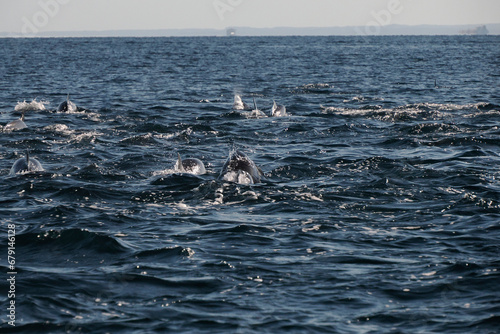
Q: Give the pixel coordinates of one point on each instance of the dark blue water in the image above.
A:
(380, 212)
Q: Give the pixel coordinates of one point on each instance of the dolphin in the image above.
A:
(239, 104)
(18, 124)
(239, 168)
(255, 113)
(26, 165)
(190, 166)
(278, 110)
(67, 106)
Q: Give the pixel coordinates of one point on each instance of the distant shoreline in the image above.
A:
(389, 30)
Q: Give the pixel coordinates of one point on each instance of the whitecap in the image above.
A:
(59, 128)
(31, 106)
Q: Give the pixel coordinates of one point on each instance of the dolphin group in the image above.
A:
(238, 168)
(277, 110)
(255, 113)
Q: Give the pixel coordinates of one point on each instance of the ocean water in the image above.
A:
(379, 212)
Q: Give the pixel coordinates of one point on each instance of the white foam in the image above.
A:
(59, 128)
(31, 106)
(310, 229)
(316, 85)
(91, 136)
(167, 171)
(436, 110)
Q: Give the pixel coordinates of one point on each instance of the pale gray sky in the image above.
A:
(18, 16)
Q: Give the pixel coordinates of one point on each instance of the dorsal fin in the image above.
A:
(67, 98)
(178, 165)
(27, 158)
(255, 104)
(22, 116)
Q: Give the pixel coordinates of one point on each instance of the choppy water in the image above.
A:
(380, 212)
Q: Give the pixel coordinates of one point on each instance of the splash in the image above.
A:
(59, 128)
(168, 171)
(31, 106)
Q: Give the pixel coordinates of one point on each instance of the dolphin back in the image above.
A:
(240, 168)
(239, 104)
(67, 105)
(26, 165)
(190, 166)
(63, 106)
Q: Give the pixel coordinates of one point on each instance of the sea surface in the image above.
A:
(379, 211)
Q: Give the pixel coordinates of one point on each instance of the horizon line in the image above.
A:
(215, 32)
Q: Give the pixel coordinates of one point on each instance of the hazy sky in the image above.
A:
(17, 16)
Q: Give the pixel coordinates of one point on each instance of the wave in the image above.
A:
(432, 128)
(141, 140)
(166, 252)
(314, 88)
(72, 241)
(88, 137)
(419, 111)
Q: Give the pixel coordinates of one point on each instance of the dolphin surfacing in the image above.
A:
(67, 106)
(239, 104)
(18, 124)
(278, 110)
(255, 113)
(26, 165)
(239, 168)
(190, 166)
